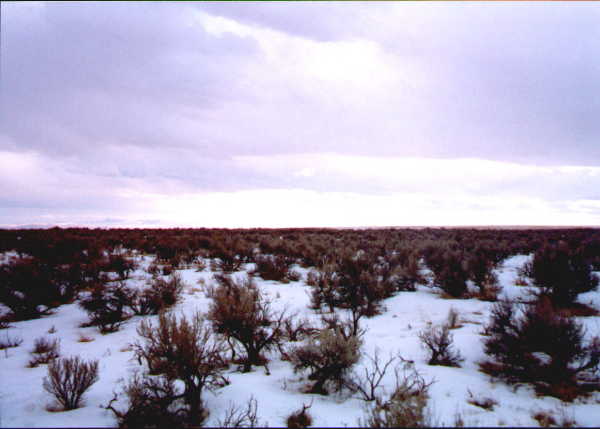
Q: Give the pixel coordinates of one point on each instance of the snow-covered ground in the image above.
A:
(23, 401)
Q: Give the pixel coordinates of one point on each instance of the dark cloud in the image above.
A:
(82, 75)
(100, 102)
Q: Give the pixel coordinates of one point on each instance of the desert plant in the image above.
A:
(450, 272)
(227, 260)
(240, 311)
(153, 402)
(184, 350)
(5, 320)
(272, 267)
(483, 402)
(9, 342)
(107, 306)
(549, 418)
(407, 406)
(84, 338)
(159, 295)
(329, 356)
(241, 416)
(437, 340)
(453, 319)
(30, 288)
(358, 287)
(406, 276)
(367, 386)
(300, 419)
(68, 379)
(324, 285)
(44, 345)
(480, 268)
(539, 346)
(293, 276)
(561, 273)
(295, 329)
(44, 351)
(120, 264)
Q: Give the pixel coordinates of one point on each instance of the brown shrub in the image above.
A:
(153, 402)
(159, 295)
(272, 267)
(329, 356)
(9, 342)
(300, 419)
(68, 379)
(44, 351)
(84, 339)
(407, 406)
(437, 340)
(107, 306)
(241, 312)
(185, 350)
(241, 417)
(485, 403)
(368, 385)
(539, 346)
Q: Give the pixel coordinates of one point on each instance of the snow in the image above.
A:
(23, 401)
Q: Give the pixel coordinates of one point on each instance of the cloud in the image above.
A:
(116, 113)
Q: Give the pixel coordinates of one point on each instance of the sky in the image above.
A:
(299, 114)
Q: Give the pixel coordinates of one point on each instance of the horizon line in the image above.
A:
(490, 226)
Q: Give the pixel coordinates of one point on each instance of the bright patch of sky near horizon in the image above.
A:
(299, 114)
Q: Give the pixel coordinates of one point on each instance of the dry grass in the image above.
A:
(521, 281)
(548, 419)
(485, 403)
(84, 339)
(10, 342)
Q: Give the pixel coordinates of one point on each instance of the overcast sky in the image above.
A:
(300, 114)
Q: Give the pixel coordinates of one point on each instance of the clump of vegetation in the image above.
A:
(449, 269)
(120, 264)
(107, 307)
(241, 417)
(437, 340)
(300, 419)
(405, 275)
(226, 259)
(275, 268)
(453, 319)
(480, 266)
(296, 329)
(184, 350)
(482, 402)
(557, 418)
(239, 311)
(44, 351)
(407, 406)
(9, 342)
(537, 345)
(160, 295)
(561, 273)
(5, 320)
(152, 402)
(30, 289)
(324, 285)
(329, 356)
(68, 379)
(368, 384)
